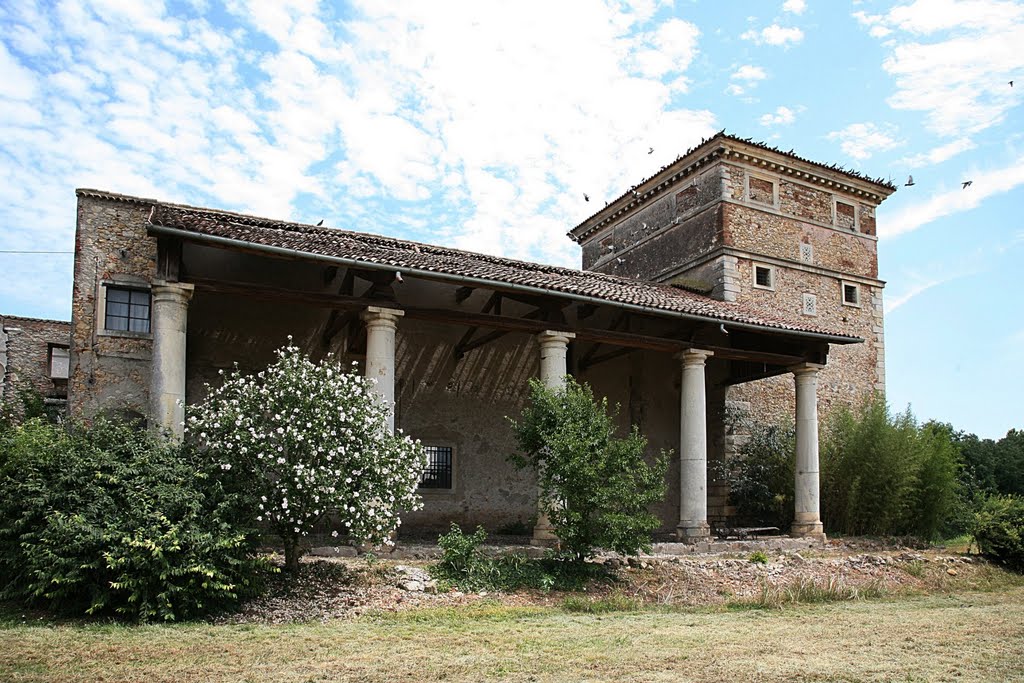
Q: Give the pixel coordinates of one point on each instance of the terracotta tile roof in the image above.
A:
(378, 251)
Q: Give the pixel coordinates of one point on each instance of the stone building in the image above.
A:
(736, 274)
(34, 356)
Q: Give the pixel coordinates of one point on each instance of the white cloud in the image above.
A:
(949, 202)
(952, 60)
(861, 140)
(775, 35)
(749, 73)
(484, 124)
(794, 6)
(912, 290)
(939, 154)
(783, 116)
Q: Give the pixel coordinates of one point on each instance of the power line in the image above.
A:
(12, 251)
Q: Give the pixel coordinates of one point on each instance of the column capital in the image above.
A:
(806, 369)
(173, 290)
(694, 357)
(553, 337)
(381, 314)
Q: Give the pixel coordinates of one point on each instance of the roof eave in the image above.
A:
(228, 242)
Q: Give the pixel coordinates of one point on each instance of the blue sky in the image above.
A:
(481, 124)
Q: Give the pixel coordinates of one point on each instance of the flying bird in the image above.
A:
(1011, 84)
(586, 197)
(910, 181)
(321, 222)
(650, 150)
(967, 183)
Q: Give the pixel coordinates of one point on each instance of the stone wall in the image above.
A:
(25, 355)
(110, 371)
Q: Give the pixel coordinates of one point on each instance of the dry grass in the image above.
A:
(966, 637)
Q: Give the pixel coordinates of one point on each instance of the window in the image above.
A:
(810, 304)
(127, 310)
(438, 474)
(764, 277)
(59, 360)
(851, 294)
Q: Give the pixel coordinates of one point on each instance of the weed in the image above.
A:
(758, 557)
(808, 591)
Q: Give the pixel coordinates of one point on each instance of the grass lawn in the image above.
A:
(963, 637)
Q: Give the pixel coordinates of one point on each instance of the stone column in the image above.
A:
(553, 348)
(381, 324)
(169, 325)
(693, 449)
(807, 520)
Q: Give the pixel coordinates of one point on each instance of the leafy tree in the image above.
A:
(999, 530)
(761, 477)
(311, 438)
(596, 488)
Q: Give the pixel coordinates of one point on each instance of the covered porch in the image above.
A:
(452, 338)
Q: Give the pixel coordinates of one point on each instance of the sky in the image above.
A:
(481, 124)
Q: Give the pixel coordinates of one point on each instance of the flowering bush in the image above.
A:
(310, 438)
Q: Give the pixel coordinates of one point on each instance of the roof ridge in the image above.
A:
(7, 316)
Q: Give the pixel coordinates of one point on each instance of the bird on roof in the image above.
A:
(910, 181)
(966, 184)
(320, 223)
(586, 197)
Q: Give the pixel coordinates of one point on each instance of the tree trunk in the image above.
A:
(291, 555)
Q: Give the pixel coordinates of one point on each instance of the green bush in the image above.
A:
(595, 488)
(761, 477)
(464, 565)
(109, 519)
(882, 474)
(999, 531)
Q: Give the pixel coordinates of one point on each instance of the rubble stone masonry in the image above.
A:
(110, 371)
(26, 345)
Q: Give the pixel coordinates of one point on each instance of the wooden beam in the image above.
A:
(584, 311)
(753, 377)
(462, 293)
(498, 322)
(168, 258)
(596, 360)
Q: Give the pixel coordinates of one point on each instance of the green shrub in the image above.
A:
(465, 566)
(109, 519)
(595, 488)
(761, 476)
(882, 474)
(999, 531)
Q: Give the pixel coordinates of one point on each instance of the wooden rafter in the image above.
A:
(528, 325)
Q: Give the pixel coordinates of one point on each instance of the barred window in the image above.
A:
(438, 474)
(127, 310)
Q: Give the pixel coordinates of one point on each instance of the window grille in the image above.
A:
(810, 304)
(438, 474)
(127, 310)
(851, 295)
(763, 277)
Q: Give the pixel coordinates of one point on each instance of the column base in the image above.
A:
(693, 532)
(808, 530)
(544, 537)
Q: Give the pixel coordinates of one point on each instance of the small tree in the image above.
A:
(596, 488)
(309, 438)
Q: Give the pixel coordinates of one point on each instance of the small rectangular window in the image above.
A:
(438, 474)
(127, 310)
(851, 294)
(764, 277)
(806, 252)
(60, 358)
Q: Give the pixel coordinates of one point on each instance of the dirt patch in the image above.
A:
(340, 588)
